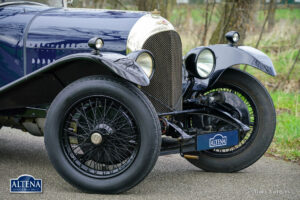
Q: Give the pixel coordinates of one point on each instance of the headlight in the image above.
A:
(205, 63)
(96, 43)
(233, 37)
(145, 61)
(99, 43)
(236, 37)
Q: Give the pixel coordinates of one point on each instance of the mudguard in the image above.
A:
(227, 56)
(123, 66)
(41, 86)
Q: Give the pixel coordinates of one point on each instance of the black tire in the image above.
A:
(262, 134)
(140, 111)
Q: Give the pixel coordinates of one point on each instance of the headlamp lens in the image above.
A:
(205, 63)
(145, 61)
(99, 44)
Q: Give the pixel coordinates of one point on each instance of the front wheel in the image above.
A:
(253, 105)
(102, 135)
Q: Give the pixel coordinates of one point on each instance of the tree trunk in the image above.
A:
(149, 5)
(146, 5)
(271, 20)
(208, 15)
(253, 23)
(235, 16)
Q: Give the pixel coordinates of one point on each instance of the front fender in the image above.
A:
(41, 86)
(124, 67)
(118, 64)
(227, 56)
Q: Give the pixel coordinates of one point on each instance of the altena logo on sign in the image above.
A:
(218, 141)
(26, 184)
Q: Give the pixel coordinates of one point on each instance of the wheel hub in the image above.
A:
(96, 138)
(104, 129)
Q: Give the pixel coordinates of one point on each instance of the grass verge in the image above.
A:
(286, 142)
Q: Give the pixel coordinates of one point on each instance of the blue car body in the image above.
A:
(43, 49)
(34, 36)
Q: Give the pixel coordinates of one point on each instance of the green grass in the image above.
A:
(197, 14)
(282, 14)
(287, 14)
(284, 61)
(290, 102)
(286, 142)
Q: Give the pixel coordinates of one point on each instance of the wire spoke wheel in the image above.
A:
(252, 117)
(246, 99)
(100, 136)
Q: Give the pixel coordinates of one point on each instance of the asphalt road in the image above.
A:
(172, 177)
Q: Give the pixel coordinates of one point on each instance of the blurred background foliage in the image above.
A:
(272, 26)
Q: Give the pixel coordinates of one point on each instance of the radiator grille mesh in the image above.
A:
(166, 83)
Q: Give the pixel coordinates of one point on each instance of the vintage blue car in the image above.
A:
(111, 92)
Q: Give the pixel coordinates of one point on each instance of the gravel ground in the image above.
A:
(172, 177)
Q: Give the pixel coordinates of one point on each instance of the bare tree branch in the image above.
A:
(263, 28)
(207, 20)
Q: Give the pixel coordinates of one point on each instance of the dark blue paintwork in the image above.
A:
(13, 21)
(54, 33)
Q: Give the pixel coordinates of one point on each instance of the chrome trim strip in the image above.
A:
(144, 28)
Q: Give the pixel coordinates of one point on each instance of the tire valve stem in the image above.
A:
(191, 157)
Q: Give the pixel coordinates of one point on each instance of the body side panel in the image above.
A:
(55, 33)
(13, 22)
(62, 32)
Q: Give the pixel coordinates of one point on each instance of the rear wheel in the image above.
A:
(102, 135)
(257, 112)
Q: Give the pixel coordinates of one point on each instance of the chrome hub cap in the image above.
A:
(96, 138)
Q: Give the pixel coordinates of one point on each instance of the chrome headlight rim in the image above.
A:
(136, 54)
(196, 61)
